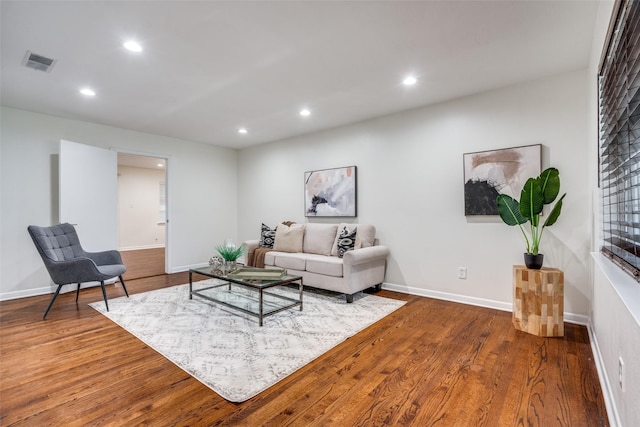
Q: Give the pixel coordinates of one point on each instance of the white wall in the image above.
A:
(410, 186)
(616, 334)
(615, 316)
(201, 184)
(139, 224)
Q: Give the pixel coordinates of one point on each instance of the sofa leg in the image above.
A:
(349, 299)
(378, 287)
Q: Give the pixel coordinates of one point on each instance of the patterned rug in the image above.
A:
(226, 350)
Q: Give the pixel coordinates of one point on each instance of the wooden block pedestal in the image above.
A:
(538, 301)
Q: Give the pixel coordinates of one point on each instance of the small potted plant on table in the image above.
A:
(230, 254)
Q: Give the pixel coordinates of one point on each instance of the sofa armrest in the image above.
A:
(250, 245)
(365, 255)
(105, 257)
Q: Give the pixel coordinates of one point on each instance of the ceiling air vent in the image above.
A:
(38, 62)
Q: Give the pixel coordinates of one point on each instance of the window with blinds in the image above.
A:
(619, 109)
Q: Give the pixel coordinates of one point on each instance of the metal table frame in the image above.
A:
(258, 285)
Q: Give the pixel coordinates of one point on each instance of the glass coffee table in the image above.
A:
(246, 294)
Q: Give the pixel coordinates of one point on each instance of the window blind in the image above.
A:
(619, 111)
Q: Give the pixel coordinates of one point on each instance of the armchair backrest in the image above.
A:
(56, 243)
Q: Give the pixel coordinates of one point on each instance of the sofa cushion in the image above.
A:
(270, 258)
(290, 261)
(365, 236)
(326, 265)
(267, 236)
(289, 238)
(319, 238)
(346, 241)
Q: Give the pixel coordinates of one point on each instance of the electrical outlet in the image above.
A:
(462, 272)
(621, 372)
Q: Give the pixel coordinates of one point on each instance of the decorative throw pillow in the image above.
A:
(289, 238)
(346, 241)
(267, 236)
(365, 237)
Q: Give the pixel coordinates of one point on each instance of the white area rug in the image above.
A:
(226, 350)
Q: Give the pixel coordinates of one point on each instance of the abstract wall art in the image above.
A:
(490, 173)
(330, 192)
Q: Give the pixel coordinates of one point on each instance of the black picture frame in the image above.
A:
(490, 173)
(331, 192)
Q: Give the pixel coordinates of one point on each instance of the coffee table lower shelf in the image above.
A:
(250, 297)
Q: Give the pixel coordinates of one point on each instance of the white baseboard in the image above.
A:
(481, 302)
(181, 268)
(605, 384)
(5, 296)
(578, 319)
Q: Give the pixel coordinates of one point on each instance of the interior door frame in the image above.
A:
(167, 184)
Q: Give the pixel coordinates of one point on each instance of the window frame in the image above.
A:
(619, 139)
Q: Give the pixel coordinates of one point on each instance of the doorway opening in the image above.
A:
(142, 214)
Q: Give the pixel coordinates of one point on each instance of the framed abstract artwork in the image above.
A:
(330, 192)
(490, 173)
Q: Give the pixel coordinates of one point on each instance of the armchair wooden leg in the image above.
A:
(55, 295)
(104, 294)
(349, 298)
(77, 292)
(124, 287)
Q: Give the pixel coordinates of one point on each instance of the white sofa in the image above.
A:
(312, 251)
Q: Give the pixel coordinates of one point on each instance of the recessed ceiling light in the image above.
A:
(160, 165)
(409, 80)
(87, 92)
(133, 46)
(304, 112)
(242, 130)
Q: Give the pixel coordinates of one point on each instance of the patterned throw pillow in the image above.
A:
(267, 236)
(346, 241)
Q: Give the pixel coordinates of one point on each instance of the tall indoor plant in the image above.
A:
(536, 193)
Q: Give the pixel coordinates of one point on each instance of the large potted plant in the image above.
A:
(536, 193)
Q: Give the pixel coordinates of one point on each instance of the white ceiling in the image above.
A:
(210, 67)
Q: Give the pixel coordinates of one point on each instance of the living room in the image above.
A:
(410, 185)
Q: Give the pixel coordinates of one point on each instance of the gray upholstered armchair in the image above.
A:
(68, 263)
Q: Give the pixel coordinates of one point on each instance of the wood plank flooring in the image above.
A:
(430, 363)
(143, 263)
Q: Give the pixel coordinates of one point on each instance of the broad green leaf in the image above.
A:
(555, 212)
(531, 199)
(550, 183)
(509, 210)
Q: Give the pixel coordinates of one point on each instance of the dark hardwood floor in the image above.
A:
(143, 263)
(430, 363)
